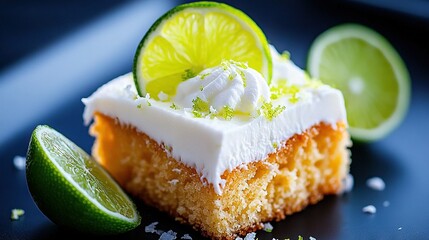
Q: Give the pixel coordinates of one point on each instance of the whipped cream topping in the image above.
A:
(214, 145)
(286, 70)
(230, 84)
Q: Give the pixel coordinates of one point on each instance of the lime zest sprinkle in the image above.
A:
(226, 113)
(294, 92)
(188, 74)
(200, 108)
(173, 106)
(167, 148)
(269, 111)
(231, 76)
(285, 55)
(243, 77)
(139, 106)
(16, 213)
(243, 65)
(204, 75)
(275, 145)
(148, 103)
(281, 89)
(227, 64)
(300, 237)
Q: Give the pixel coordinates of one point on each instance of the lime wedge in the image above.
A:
(72, 189)
(369, 72)
(192, 37)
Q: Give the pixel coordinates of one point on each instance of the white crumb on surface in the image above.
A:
(151, 227)
(376, 183)
(19, 162)
(250, 236)
(173, 182)
(399, 228)
(169, 235)
(369, 209)
(348, 183)
(177, 170)
(386, 203)
(268, 227)
(16, 213)
(186, 236)
(312, 238)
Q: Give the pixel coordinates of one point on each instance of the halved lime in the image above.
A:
(72, 189)
(192, 37)
(369, 72)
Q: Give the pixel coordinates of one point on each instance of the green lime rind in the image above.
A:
(84, 198)
(375, 40)
(140, 85)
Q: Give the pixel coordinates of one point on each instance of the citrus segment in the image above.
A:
(195, 36)
(369, 72)
(72, 189)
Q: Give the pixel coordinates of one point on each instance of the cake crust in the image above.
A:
(302, 171)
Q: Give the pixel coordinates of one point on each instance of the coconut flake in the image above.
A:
(173, 182)
(170, 235)
(376, 183)
(151, 228)
(369, 209)
(250, 236)
(186, 236)
(268, 227)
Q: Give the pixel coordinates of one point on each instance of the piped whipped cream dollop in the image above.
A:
(231, 84)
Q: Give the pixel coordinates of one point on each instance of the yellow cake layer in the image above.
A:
(309, 166)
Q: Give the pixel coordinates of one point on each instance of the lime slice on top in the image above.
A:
(72, 189)
(192, 37)
(369, 72)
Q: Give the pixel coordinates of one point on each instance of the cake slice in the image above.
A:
(216, 128)
(224, 177)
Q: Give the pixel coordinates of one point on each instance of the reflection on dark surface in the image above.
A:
(77, 29)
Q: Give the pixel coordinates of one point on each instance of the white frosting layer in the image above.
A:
(285, 69)
(213, 146)
(231, 84)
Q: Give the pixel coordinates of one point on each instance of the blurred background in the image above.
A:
(53, 53)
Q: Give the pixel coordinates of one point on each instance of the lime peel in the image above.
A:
(73, 190)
